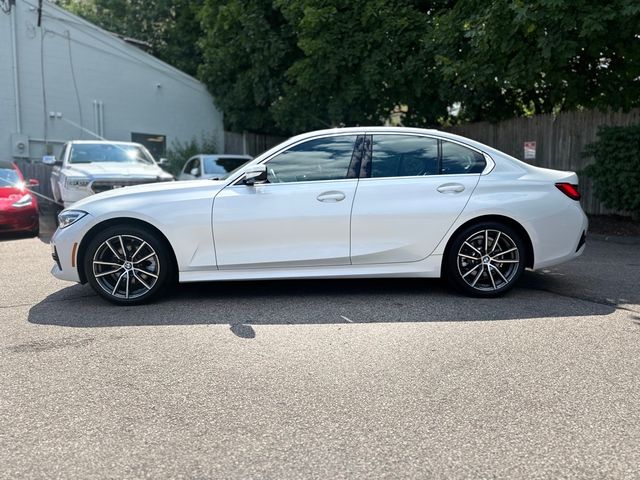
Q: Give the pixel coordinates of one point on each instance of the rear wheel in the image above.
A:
(128, 265)
(485, 260)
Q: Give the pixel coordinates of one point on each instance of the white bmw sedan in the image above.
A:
(352, 202)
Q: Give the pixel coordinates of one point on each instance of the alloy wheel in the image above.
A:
(126, 266)
(488, 260)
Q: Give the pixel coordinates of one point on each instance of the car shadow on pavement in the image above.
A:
(242, 304)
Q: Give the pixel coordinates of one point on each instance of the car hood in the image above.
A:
(114, 170)
(10, 195)
(11, 192)
(140, 194)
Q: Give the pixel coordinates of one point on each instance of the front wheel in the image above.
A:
(485, 260)
(128, 265)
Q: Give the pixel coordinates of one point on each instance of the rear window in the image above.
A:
(457, 159)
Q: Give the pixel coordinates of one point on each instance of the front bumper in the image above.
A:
(64, 250)
(19, 220)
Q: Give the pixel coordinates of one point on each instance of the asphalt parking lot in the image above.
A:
(323, 379)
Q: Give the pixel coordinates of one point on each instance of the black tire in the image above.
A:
(138, 279)
(485, 277)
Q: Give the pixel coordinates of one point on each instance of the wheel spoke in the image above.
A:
(145, 258)
(115, 287)
(145, 272)
(112, 249)
(126, 294)
(486, 241)
(98, 275)
(470, 271)
(495, 242)
(473, 248)
(138, 250)
(507, 261)
(491, 277)
(141, 281)
(469, 257)
(505, 252)
(124, 251)
(100, 262)
(499, 272)
(478, 276)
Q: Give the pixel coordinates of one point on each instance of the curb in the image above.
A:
(614, 239)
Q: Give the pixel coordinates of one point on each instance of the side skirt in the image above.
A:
(427, 268)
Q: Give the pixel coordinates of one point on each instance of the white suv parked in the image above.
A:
(88, 167)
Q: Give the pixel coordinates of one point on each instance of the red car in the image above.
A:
(18, 207)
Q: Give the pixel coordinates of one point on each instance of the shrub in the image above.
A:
(180, 152)
(616, 170)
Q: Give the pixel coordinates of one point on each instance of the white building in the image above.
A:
(67, 79)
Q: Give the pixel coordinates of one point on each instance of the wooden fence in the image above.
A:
(249, 143)
(560, 141)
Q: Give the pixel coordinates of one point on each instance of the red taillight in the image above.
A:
(569, 190)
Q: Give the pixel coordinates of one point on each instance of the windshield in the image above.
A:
(9, 178)
(106, 152)
(222, 167)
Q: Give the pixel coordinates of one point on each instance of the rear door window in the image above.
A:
(457, 159)
(404, 156)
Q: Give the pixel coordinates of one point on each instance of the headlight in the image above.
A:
(24, 201)
(69, 217)
(77, 182)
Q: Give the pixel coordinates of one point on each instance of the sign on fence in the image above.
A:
(529, 150)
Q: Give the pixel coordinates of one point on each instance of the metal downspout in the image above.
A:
(16, 85)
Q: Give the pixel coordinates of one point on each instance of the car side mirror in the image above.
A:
(33, 182)
(50, 160)
(255, 174)
(195, 172)
(163, 161)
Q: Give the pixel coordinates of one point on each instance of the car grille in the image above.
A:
(98, 186)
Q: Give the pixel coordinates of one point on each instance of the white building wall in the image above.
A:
(138, 92)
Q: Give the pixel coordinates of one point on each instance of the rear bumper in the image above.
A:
(561, 239)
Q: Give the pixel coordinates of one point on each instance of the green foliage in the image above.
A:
(283, 66)
(360, 60)
(247, 48)
(180, 152)
(616, 170)
(171, 27)
(508, 58)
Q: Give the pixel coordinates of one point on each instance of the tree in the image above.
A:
(361, 60)
(171, 27)
(285, 66)
(247, 48)
(507, 58)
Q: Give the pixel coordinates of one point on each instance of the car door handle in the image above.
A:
(332, 196)
(451, 188)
